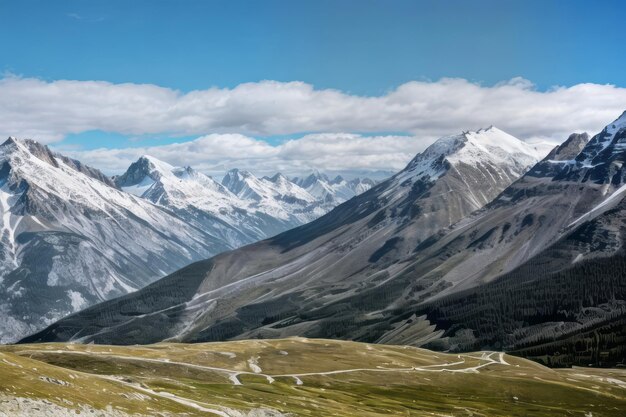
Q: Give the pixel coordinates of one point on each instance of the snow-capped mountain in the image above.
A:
(240, 210)
(335, 191)
(545, 269)
(333, 277)
(196, 198)
(71, 239)
(276, 197)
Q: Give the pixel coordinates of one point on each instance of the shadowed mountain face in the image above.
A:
(344, 275)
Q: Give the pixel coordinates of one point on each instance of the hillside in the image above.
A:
(294, 377)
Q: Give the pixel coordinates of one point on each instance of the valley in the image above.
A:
(312, 208)
(478, 244)
(294, 377)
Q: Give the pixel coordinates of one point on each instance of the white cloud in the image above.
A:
(51, 110)
(227, 119)
(216, 153)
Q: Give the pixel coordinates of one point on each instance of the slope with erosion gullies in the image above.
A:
(69, 239)
(555, 239)
(327, 278)
(565, 306)
(294, 377)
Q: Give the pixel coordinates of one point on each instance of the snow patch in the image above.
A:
(77, 300)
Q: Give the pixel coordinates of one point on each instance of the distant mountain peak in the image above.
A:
(338, 179)
(307, 181)
(11, 140)
(278, 178)
(138, 172)
(156, 164)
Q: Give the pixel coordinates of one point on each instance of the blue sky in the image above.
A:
(360, 48)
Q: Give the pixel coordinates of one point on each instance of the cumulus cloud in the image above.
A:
(50, 110)
(226, 120)
(216, 153)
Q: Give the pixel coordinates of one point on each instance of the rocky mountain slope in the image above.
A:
(343, 275)
(556, 240)
(69, 238)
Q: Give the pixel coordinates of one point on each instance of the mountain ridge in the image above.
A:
(257, 291)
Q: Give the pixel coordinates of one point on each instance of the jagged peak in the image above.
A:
(337, 180)
(235, 179)
(33, 148)
(10, 141)
(28, 148)
(596, 147)
(145, 166)
(569, 149)
(156, 163)
(236, 172)
(278, 177)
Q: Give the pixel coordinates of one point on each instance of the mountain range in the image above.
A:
(72, 237)
(241, 209)
(481, 242)
(333, 277)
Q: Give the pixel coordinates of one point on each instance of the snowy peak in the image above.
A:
(243, 184)
(361, 185)
(334, 191)
(496, 146)
(337, 180)
(278, 178)
(276, 190)
(139, 177)
(481, 149)
(179, 187)
(309, 181)
(146, 167)
(13, 147)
